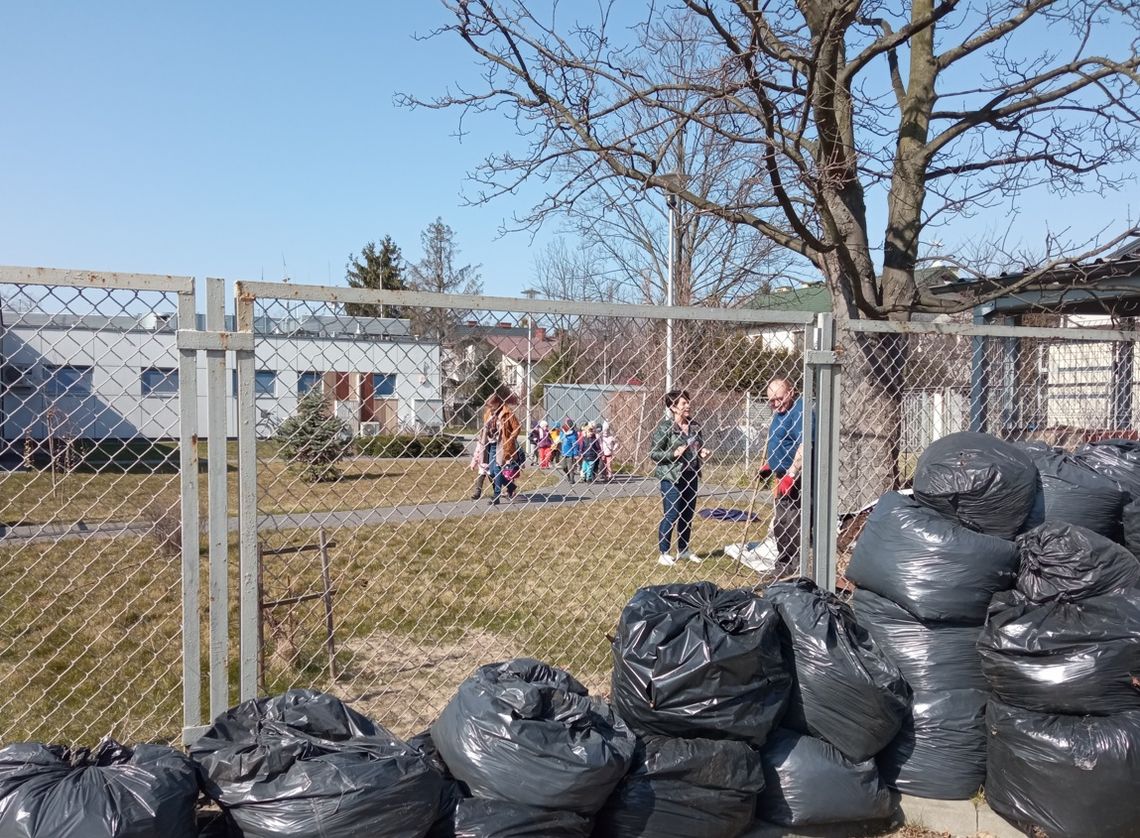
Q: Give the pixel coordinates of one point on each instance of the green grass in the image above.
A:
(90, 637)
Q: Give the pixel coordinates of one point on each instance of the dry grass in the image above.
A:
(90, 630)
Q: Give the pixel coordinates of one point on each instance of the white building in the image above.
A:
(86, 376)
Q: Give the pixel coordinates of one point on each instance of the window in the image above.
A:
(306, 381)
(159, 381)
(17, 377)
(383, 383)
(264, 382)
(68, 380)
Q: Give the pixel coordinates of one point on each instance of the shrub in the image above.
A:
(409, 445)
(315, 439)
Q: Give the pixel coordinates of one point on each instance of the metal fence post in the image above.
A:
(826, 449)
(216, 473)
(807, 476)
(249, 612)
(190, 535)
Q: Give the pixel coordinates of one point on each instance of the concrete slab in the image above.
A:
(960, 818)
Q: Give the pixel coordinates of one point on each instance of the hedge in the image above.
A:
(409, 445)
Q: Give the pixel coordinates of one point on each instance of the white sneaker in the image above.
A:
(691, 556)
(666, 559)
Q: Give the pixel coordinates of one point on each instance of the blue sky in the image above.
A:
(257, 139)
(216, 139)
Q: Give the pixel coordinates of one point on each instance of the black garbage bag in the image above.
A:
(846, 690)
(807, 781)
(928, 563)
(479, 818)
(931, 656)
(685, 788)
(1071, 776)
(1064, 561)
(1116, 459)
(49, 791)
(695, 660)
(1074, 493)
(941, 750)
(452, 789)
(985, 483)
(1130, 526)
(304, 763)
(1078, 658)
(528, 733)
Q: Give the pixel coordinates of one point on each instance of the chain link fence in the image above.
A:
(373, 562)
(904, 387)
(368, 431)
(90, 512)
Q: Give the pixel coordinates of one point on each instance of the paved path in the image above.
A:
(563, 493)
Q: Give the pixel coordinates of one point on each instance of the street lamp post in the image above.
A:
(676, 181)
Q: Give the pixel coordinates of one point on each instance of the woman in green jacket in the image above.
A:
(678, 449)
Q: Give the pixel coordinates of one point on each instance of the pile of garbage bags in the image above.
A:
(926, 567)
(1062, 654)
(718, 682)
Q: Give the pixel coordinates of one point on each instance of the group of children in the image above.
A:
(587, 452)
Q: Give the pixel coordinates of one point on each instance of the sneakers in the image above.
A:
(666, 559)
(691, 556)
(495, 501)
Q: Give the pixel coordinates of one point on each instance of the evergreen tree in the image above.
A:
(379, 269)
(314, 439)
(438, 272)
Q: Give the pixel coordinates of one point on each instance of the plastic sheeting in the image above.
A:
(477, 818)
(986, 484)
(941, 750)
(1074, 493)
(930, 564)
(931, 656)
(685, 788)
(49, 791)
(528, 733)
(693, 660)
(1072, 776)
(807, 781)
(303, 763)
(1064, 657)
(1063, 561)
(846, 691)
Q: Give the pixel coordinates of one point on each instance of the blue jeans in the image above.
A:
(493, 470)
(678, 501)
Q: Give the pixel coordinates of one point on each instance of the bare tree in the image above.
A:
(936, 109)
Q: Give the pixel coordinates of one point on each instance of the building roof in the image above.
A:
(514, 347)
(1107, 285)
(813, 297)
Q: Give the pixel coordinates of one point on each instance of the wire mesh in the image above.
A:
(368, 430)
(900, 392)
(90, 627)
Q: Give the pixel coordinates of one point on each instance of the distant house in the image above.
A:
(516, 353)
(97, 377)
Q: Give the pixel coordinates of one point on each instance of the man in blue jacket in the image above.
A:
(785, 462)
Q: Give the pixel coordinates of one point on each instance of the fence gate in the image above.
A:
(98, 507)
(431, 578)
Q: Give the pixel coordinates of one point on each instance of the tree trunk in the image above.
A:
(871, 401)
